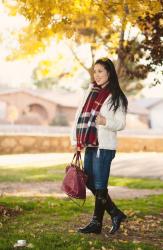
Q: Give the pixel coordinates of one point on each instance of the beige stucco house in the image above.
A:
(23, 106)
(154, 107)
(137, 116)
(58, 107)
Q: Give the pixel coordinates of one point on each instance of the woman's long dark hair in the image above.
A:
(114, 87)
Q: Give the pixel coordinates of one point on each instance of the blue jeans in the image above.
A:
(98, 168)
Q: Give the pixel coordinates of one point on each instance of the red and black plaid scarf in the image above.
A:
(86, 131)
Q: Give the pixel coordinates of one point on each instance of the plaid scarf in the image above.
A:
(86, 131)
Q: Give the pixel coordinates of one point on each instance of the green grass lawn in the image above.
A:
(56, 173)
(143, 183)
(51, 224)
(32, 174)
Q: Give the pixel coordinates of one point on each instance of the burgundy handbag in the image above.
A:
(74, 182)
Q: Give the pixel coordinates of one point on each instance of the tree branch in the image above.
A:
(77, 58)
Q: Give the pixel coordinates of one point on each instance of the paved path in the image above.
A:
(125, 164)
(143, 165)
(148, 165)
(54, 189)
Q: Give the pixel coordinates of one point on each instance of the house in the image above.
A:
(154, 107)
(38, 107)
(3, 111)
(137, 116)
(58, 107)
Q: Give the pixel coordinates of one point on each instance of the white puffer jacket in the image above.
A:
(107, 134)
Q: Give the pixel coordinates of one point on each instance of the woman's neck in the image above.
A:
(104, 84)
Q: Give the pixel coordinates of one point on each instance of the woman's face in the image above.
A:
(101, 75)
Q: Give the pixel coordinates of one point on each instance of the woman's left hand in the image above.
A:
(100, 120)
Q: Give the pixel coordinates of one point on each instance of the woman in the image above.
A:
(99, 117)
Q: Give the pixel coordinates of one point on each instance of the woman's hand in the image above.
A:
(100, 120)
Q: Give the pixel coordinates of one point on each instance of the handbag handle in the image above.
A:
(76, 157)
(78, 160)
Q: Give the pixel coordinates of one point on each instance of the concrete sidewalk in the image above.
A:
(142, 165)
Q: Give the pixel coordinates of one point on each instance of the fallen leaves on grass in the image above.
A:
(9, 212)
(71, 231)
(136, 230)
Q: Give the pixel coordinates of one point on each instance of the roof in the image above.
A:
(63, 97)
(66, 98)
(58, 96)
(134, 108)
(148, 103)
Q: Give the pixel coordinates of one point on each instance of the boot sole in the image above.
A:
(89, 232)
(124, 219)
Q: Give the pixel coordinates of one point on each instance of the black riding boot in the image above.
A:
(117, 216)
(95, 226)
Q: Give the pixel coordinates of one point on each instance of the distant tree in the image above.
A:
(152, 44)
(45, 83)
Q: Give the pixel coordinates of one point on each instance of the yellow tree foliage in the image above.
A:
(98, 22)
(87, 19)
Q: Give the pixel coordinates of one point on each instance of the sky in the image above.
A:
(19, 73)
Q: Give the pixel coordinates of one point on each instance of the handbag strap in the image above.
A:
(73, 200)
(74, 157)
(78, 160)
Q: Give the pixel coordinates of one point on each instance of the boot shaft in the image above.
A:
(100, 204)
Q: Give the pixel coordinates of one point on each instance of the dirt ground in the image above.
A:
(54, 189)
(147, 230)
